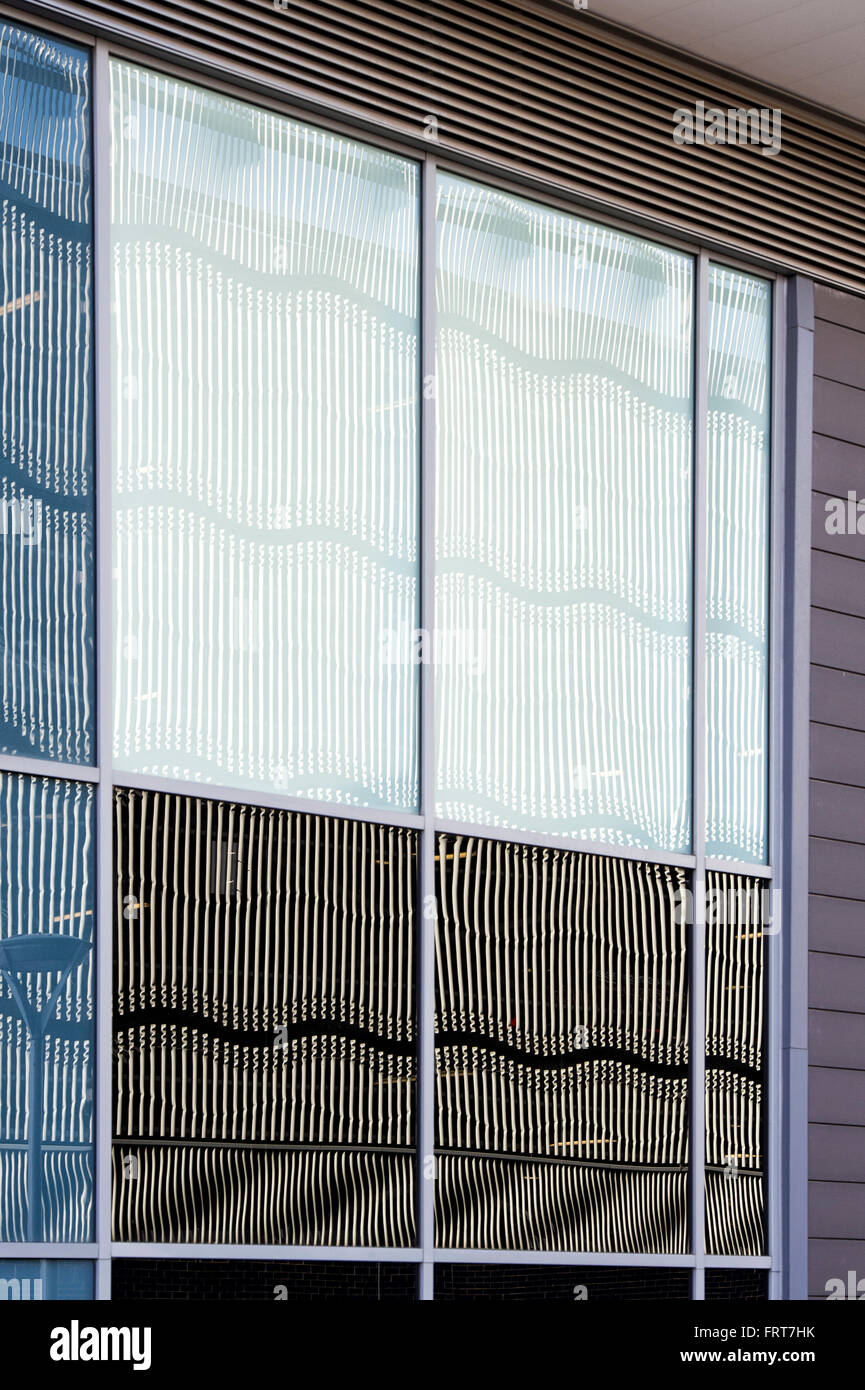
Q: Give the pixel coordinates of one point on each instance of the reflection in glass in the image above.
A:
(33, 1280)
(47, 892)
(568, 1283)
(563, 547)
(265, 441)
(737, 1285)
(737, 615)
(562, 1051)
(264, 1026)
(46, 456)
(301, 1281)
(735, 1077)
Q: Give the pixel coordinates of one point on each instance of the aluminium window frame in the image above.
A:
(785, 1161)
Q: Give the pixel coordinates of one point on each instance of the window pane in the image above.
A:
(563, 524)
(736, 920)
(266, 453)
(265, 1280)
(737, 1285)
(46, 1279)
(533, 1283)
(264, 1026)
(46, 413)
(47, 896)
(737, 616)
(562, 1051)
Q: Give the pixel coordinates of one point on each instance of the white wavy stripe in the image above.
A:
(563, 523)
(232, 924)
(265, 294)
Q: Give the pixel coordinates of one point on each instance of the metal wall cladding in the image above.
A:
(264, 1026)
(836, 909)
(546, 92)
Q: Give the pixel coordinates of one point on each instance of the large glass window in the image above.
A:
(264, 1026)
(281, 1042)
(47, 894)
(265, 293)
(46, 413)
(563, 524)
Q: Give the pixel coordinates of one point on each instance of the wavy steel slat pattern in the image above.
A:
(46, 425)
(266, 399)
(264, 1024)
(47, 885)
(562, 1051)
(563, 546)
(735, 1067)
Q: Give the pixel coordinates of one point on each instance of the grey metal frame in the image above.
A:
(790, 597)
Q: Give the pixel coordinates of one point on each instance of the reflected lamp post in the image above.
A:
(37, 953)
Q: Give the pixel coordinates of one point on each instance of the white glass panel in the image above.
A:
(563, 522)
(737, 618)
(266, 401)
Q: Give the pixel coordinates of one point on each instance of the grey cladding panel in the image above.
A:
(836, 1153)
(837, 869)
(838, 467)
(839, 411)
(838, 582)
(836, 1097)
(832, 1259)
(837, 1210)
(838, 925)
(826, 512)
(836, 982)
(837, 812)
(836, 306)
(838, 640)
(837, 755)
(836, 1039)
(839, 352)
(837, 697)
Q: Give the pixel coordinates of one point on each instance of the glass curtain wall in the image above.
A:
(270, 827)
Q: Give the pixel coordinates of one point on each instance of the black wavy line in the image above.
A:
(262, 1037)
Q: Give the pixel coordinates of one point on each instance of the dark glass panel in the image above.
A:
(737, 1284)
(736, 926)
(567, 1283)
(264, 1026)
(562, 1051)
(261, 1280)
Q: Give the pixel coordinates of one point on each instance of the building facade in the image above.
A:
(431, 587)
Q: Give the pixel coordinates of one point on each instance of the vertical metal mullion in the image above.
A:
(427, 899)
(774, 944)
(104, 658)
(792, 876)
(698, 846)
